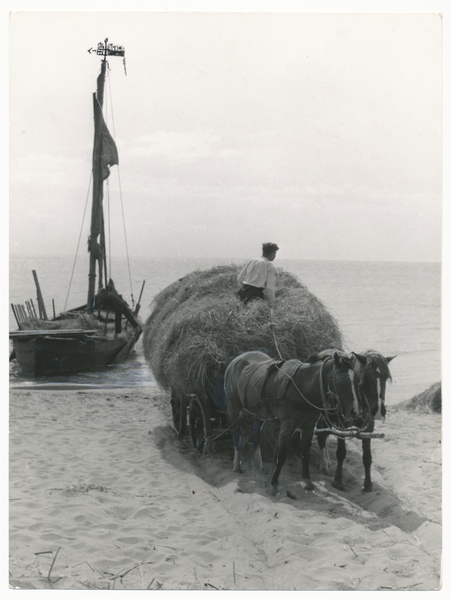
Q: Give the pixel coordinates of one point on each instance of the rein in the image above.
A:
(367, 421)
(323, 396)
(324, 400)
(336, 395)
(368, 418)
(274, 334)
(239, 417)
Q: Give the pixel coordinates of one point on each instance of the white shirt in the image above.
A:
(260, 272)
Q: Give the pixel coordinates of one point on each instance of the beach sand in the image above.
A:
(103, 496)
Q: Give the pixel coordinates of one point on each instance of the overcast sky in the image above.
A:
(321, 132)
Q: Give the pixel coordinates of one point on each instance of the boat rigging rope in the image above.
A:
(122, 204)
(109, 230)
(125, 238)
(106, 201)
(78, 244)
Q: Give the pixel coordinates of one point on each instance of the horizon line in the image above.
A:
(233, 258)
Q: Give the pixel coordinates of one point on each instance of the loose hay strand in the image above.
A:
(53, 562)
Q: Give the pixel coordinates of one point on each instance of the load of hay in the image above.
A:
(428, 401)
(198, 325)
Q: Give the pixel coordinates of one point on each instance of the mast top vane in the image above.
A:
(105, 49)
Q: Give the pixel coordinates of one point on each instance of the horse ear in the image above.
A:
(362, 359)
(389, 358)
(336, 358)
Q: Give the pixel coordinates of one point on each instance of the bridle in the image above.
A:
(338, 408)
(375, 376)
(340, 425)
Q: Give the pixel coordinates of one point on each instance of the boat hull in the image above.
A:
(42, 355)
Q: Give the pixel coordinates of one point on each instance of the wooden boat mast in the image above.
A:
(97, 188)
(104, 155)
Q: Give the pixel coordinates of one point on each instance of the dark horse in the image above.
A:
(295, 394)
(373, 373)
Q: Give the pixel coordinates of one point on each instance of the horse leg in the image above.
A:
(236, 457)
(324, 452)
(258, 461)
(306, 443)
(286, 429)
(367, 460)
(341, 455)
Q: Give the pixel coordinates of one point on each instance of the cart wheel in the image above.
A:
(199, 424)
(179, 413)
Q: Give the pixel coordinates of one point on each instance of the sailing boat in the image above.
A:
(86, 338)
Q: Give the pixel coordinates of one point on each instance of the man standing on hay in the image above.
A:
(258, 277)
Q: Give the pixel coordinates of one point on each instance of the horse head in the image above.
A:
(345, 395)
(373, 373)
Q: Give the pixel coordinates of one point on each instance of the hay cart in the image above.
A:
(202, 416)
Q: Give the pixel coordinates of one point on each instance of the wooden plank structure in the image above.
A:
(51, 332)
(41, 306)
(138, 306)
(24, 314)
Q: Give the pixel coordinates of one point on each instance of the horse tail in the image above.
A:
(231, 399)
(233, 380)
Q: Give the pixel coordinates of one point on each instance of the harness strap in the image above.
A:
(270, 360)
(324, 408)
(299, 391)
(323, 395)
(254, 415)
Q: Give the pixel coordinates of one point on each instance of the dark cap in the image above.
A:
(269, 247)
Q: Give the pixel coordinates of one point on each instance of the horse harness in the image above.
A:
(277, 365)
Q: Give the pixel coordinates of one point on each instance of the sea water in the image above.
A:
(390, 307)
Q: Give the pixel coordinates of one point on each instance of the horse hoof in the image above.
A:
(338, 485)
(367, 489)
(309, 486)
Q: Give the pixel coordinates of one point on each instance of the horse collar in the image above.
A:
(335, 395)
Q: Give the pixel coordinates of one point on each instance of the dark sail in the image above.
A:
(108, 150)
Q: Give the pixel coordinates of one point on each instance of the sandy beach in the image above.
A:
(103, 496)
